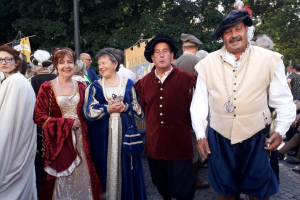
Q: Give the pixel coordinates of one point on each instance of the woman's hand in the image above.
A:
(116, 106)
(76, 125)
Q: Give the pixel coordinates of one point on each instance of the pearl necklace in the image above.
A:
(110, 84)
(60, 88)
(104, 89)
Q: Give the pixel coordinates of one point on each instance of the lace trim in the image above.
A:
(235, 63)
(201, 137)
(66, 172)
(70, 169)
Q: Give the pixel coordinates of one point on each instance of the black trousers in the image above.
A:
(173, 179)
(273, 158)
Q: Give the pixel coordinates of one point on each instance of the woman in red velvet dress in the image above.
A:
(69, 172)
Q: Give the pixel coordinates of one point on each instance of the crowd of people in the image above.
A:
(66, 134)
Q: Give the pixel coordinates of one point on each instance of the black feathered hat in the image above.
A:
(157, 39)
(233, 18)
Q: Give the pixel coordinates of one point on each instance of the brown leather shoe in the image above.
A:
(199, 183)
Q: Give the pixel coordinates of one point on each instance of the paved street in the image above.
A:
(289, 187)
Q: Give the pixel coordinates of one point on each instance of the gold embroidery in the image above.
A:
(46, 122)
(120, 157)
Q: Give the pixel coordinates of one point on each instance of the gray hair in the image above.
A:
(265, 41)
(80, 68)
(113, 54)
(201, 54)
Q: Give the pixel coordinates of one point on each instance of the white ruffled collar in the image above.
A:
(230, 58)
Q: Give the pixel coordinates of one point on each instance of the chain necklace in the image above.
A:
(229, 106)
(60, 88)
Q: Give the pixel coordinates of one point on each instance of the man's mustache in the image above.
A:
(235, 39)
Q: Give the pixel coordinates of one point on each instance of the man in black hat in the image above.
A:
(165, 94)
(187, 62)
(233, 84)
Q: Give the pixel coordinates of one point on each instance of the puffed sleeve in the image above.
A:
(135, 105)
(92, 109)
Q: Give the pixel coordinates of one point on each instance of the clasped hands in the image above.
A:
(116, 106)
(274, 141)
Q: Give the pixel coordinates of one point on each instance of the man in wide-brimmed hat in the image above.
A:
(233, 84)
(165, 94)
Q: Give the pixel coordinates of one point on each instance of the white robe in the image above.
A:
(17, 139)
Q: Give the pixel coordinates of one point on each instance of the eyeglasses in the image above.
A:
(88, 59)
(7, 60)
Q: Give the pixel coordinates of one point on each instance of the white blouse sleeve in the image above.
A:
(281, 99)
(199, 109)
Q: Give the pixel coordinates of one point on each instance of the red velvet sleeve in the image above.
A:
(57, 130)
(139, 88)
(192, 87)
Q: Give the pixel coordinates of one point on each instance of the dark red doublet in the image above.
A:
(167, 111)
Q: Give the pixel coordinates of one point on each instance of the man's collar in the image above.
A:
(223, 51)
(188, 53)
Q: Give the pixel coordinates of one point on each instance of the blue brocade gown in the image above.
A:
(121, 174)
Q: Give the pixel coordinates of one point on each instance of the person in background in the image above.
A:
(90, 73)
(69, 171)
(188, 59)
(24, 67)
(264, 41)
(123, 71)
(40, 62)
(187, 62)
(288, 71)
(17, 130)
(294, 82)
(201, 54)
(29, 72)
(79, 74)
(178, 54)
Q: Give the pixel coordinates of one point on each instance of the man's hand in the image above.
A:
(275, 140)
(203, 147)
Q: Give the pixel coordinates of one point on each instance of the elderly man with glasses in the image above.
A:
(90, 73)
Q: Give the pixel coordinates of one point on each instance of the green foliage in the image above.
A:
(119, 23)
(281, 21)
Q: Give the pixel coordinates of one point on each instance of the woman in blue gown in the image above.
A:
(109, 105)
